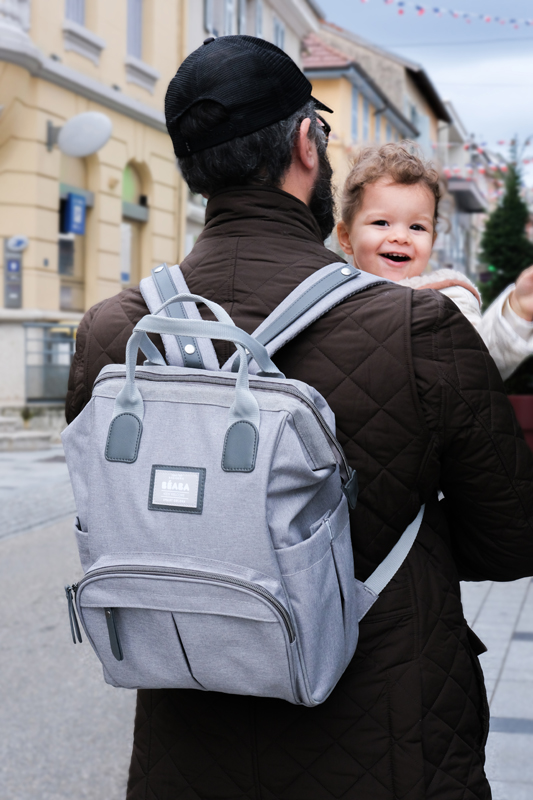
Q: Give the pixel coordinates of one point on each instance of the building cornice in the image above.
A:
(81, 40)
(299, 15)
(16, 47)
(21, 315)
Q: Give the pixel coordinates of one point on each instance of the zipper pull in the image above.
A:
(74, 627)
(114, 641)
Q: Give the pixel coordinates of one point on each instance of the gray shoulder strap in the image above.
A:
(321, 291)
(181, 351)
(392, 563)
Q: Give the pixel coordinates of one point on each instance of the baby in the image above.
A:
(389, 216)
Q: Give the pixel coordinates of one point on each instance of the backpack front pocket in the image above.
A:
(183, 628)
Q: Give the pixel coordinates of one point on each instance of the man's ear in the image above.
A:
(305, 148)
(344, 238)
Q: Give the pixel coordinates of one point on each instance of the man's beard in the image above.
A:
(322, 203)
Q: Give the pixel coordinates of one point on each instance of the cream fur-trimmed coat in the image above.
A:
(508, 337)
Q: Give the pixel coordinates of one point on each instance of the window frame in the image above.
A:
(75, 11)
(134, 29)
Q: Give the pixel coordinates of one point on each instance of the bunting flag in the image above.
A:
(467, 16)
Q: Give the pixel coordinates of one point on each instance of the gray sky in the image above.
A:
(485, 69)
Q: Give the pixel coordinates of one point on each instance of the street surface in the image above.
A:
(65, 733)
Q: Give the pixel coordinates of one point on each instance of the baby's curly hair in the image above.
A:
(400, 161)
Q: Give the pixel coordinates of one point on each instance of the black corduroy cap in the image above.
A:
(256, 83)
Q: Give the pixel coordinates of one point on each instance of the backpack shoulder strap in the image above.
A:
(180, 351)
(320, 292)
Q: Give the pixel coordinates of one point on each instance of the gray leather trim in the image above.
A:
(240, 447)
(351, 489)
(114, 641)
(124, 438)
(308, 299)
(167, 289)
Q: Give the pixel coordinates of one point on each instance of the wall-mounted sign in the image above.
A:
(13, 266)
(75, 214)
(12, 274)
(17, 243)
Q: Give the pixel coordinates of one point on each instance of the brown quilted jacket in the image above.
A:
(420, 407)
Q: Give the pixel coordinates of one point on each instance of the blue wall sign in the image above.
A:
(75, 214)
(13, 265)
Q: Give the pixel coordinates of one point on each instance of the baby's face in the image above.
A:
(392, 233)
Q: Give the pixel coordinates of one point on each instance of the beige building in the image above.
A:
(63, 58)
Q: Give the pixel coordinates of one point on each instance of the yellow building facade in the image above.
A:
(63, 60)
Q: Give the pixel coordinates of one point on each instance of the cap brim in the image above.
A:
(321, 106)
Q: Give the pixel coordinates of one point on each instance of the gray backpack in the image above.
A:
(213, 508)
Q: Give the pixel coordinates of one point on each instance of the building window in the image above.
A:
(377, 128)
(259, 18)
(242, 16)
(75, 11)
(366, 120)
(135, 27)
(228, 17)
(388, 132)
(279, 33)
(355, 114)
(208, 15)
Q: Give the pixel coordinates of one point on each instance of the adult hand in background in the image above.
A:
(521, 298)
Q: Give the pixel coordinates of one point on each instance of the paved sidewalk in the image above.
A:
(64, 733)
(34, 489)
(502, 616)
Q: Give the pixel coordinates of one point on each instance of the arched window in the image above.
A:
(71, 245)
(133, 204)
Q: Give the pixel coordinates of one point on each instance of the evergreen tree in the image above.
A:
(505, 248)
(507, 251)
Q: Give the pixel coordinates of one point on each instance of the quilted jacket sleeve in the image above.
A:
(486, 467)
(101, 339)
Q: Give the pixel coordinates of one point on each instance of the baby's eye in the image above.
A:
(380, 222)
(417, 227)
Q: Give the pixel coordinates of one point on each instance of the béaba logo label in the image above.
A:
(175, 489)
(182, 487)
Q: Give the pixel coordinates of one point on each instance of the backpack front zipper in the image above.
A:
(72, 591)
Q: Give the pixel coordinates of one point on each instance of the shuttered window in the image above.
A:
(279, 33)
(75, 11)
(135, 27)
(228, 17)
(355, 114)
(242, 16)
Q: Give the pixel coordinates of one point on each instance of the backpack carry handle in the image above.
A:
(186, 297)
(242, 434)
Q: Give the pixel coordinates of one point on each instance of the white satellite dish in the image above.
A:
(84, 134)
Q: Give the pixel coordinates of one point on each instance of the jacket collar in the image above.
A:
(263, 210)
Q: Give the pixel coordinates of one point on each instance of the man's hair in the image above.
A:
(260, 158)
(399, 161)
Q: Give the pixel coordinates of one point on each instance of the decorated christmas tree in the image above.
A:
(506, 251)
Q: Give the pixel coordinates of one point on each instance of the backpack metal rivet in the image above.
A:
(346, 271)
(190, 349)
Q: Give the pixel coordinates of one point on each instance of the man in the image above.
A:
(420, 407)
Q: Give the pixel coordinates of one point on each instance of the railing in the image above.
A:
(49, 351)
